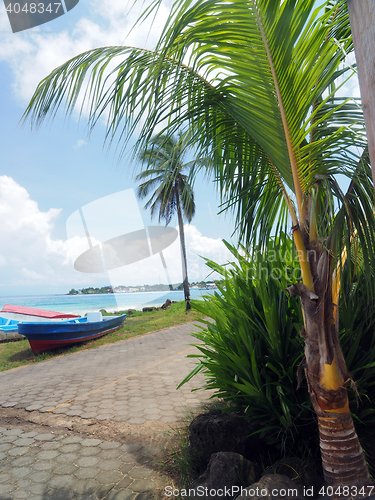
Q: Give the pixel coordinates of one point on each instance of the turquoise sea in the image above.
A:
(81, 304)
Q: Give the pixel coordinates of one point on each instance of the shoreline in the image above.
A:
(110, 302)
(110, 294)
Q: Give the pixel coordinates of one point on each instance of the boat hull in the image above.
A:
(9, 330)
(53, 335)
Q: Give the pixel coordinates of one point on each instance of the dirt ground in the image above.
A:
(148, 434)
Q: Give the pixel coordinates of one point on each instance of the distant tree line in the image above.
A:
(139, 288)
(89, 290)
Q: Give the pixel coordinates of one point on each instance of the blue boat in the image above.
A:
(8, 325)
(12, 315)
(9, 330)
(45, 336)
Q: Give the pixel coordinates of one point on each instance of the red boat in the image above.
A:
(24, 313)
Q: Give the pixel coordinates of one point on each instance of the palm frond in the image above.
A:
(253, 82)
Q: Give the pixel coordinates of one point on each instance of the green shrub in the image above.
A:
(357, 338)
(250, 354)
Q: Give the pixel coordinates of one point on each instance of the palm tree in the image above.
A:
(362, 20)
(164, 157)
(256, 80)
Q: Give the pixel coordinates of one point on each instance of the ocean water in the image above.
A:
(81, 304)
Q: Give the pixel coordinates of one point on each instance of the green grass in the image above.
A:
(14, 354)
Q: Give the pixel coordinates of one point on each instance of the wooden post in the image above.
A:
(362, 21)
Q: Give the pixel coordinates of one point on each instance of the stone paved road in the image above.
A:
(37, 466)
(132, 381)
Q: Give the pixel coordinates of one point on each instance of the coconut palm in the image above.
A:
(362, 20)
(256, 80)
(164, 157)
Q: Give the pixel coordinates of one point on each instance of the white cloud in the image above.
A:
(199, 246)
(28, 252)
(33, 54)
(31, 257)
(151, 270)
(19, 215)
(80, 143)
(351, 86)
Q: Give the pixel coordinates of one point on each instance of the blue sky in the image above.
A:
(49, 174)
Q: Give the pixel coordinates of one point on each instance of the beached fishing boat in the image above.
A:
(9, 330)
(23, 313)
(8, 324)
(11, 315)
(45, 336)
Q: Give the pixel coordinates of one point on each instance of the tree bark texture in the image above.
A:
(185, 281)
(343, 459)
(362, 21)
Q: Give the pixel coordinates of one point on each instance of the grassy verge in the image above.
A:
(14, 354)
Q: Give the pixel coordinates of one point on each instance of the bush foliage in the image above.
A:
(251, 353)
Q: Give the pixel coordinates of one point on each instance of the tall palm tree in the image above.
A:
(362, 20)
(164, 159)
(256, 81)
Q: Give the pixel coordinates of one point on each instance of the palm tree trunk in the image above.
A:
(362, 19)
(343, 459)
(185, 281)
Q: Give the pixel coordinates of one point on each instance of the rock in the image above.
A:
(166, 304)
(148, 309)
(130, 311)
(103, 311)
(272, 487)
(224, 476)
(297, 470)
(10, 336)
(216, 431)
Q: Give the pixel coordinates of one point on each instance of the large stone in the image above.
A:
(297, 470)
(216, 431)
(272, 487)
(166, 304)
(224, 476)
